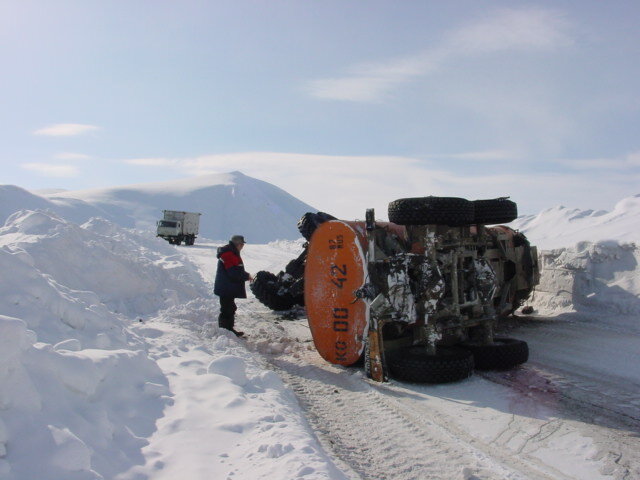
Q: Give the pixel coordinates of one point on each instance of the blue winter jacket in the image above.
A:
(230, 274)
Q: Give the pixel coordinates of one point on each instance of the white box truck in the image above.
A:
(177, 227)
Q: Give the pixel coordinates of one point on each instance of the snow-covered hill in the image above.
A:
(13, 199)
(230, 203)
(560, 226)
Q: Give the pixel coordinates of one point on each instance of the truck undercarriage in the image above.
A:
(416, 298)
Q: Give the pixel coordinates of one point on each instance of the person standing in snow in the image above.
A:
(230, 279)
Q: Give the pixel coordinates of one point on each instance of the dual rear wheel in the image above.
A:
(451, 211)
(451, 364)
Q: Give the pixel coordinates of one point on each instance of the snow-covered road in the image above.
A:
(573, 412)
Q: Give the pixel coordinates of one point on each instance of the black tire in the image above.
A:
(266, 288)
(503, 354)
(498, 210)
(413, 364)
(295, 267)
(451, 211)
(296, 290)
(310, 221)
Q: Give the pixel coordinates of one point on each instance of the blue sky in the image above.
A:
(345, 104)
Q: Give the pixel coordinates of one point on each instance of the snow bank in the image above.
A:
(589, 259)
(76, 385)
(67, 414)
(87, 265)
(231, 417)
(590, 276)
(111, 365)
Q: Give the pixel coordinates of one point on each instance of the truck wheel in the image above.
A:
(310, 221)
(498, 210)
(266, 288)
(451, 211)
(413, 364)
(503, 354)
(295, 267)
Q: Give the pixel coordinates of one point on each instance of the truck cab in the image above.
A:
(169, 229)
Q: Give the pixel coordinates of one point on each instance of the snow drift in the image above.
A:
(77, 274)
(72, 414)
(76, 385)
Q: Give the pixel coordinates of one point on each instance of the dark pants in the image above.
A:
(228, 308)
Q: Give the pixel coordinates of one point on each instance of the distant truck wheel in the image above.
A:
(498, 210)
(451, 211)
(503, 354)
(310, 221)
(413, 364)
(266, 288)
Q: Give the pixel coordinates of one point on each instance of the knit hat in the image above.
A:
(237, 240)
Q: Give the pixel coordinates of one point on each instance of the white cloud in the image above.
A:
(347, 185)
(49, 170)
(480, 156)
(153, 162)
(525, 29)
(71, 156)
(66, 130)
(511, 29)
(356, 89)
(631, 160)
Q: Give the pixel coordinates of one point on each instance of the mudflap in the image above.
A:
(335, 270)
(375, 364)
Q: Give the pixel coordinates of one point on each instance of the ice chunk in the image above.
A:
(230, 366)
(72, 344)
(71, 454)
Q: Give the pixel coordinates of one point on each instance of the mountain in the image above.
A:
(14, 198)
(230, 203)
(558, 227)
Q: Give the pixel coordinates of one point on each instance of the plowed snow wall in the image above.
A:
(588, 276)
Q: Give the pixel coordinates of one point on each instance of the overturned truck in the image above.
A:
(416, 298)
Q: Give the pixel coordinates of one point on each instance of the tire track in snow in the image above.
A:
(380, 437)
(383, 433)
(620, 406)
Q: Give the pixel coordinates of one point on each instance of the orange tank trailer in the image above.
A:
(336, 268)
